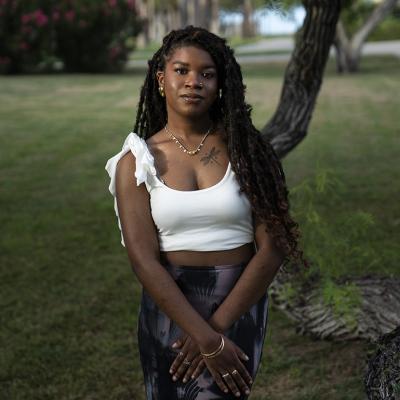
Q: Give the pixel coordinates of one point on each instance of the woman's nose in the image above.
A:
(194, 80)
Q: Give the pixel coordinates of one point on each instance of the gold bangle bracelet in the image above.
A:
(216, 352)
(215, 355)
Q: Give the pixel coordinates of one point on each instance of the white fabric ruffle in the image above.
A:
(145, 170)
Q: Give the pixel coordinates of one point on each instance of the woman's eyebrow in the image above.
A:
(186, 64)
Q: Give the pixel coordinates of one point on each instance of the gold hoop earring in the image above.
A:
(161, 90)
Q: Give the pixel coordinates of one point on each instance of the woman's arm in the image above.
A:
(141, 242)
(252, 284)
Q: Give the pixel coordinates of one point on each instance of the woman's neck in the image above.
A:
(189, 129)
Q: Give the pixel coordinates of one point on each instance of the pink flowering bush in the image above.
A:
(24, 35)
(85, 35)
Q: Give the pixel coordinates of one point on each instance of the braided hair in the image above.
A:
(254, 161)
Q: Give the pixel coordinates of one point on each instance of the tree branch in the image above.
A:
(370, 24)
(303, 76)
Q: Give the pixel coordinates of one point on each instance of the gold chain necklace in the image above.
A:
(182, 146)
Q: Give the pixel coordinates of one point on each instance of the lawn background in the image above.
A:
(69, 300)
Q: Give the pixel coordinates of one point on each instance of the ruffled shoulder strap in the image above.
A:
(145, 170)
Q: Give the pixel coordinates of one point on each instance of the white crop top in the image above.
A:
(210, 219)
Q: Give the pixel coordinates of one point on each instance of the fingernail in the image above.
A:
(226, 390)
(184, 380)
(174, 378)
(175, 345)
(170, 371)
(247, 391)
(237, 394)
(246, 357)
(192, 376)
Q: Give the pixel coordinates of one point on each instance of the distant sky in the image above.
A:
(274, 21)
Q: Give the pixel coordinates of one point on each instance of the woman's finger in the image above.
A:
(180, 357)
(240, 382)
(230, 383)
(177, 362)
(183, 367)
(191, 368)
(241, 354)
(218, 380)
(190, 352)
(244, 374)
(199, 369)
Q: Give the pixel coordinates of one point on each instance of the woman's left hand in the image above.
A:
(189, 351)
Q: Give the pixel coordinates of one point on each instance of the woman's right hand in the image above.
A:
(228, 360)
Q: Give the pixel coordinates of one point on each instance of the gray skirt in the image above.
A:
(205, 288)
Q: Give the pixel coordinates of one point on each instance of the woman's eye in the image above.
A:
(180, 69)
(208, 75)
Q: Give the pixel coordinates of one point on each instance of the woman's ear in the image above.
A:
(160, 78)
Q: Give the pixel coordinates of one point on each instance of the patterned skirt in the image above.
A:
(205, 288)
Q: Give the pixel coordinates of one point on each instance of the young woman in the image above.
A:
(209, 228)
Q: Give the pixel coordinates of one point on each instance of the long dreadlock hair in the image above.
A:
(254, 161)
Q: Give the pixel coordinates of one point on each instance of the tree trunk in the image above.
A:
(183, 12)
(349, 51)
(143, 39)
(303, 76)
(247, 25)
(382, 380)
(191, 12)
(214, 16)
(379, 312)
(202, 14)
(152, 32)
(380, 309)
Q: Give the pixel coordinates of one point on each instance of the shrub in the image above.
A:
(336, 244)
(92, 36)
(86, 35)
(24, 35)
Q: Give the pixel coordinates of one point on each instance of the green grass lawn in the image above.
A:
(69, 300)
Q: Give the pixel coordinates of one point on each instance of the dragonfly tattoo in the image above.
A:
(211, 156)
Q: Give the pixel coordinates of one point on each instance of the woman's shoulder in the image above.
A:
(133, 146)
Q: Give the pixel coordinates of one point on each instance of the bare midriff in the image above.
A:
(210, 258)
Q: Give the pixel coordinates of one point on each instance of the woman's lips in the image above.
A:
(192, 100)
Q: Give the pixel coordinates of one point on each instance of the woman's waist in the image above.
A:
(209, 259)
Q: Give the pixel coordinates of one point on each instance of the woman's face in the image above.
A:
(189, 72)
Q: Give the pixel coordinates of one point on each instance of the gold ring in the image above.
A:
(186, 362)
(225, 375)
(234, 372)
(181, 353)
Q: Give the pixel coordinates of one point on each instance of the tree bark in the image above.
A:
(214, 16)
(378, 314)
(303, 76)
(383, 372)
(183, 11)
(191, 12)
(349, 51)
(203, 14)
(247, 25)
(152, 33)
(143, 39)
(380, 297)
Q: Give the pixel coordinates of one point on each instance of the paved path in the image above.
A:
(391, 47)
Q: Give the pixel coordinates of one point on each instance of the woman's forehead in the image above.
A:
(191, 56)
